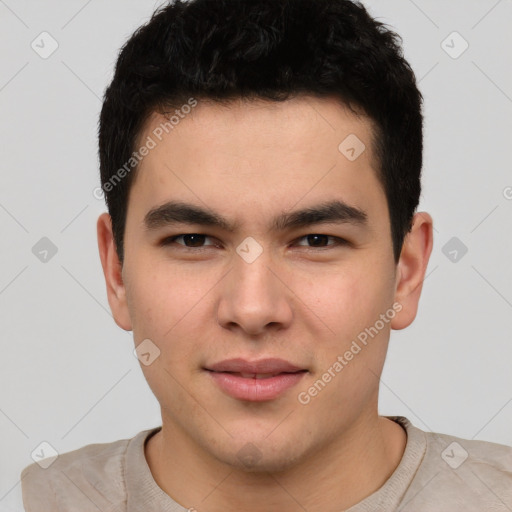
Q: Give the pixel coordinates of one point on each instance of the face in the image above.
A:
(220, 293)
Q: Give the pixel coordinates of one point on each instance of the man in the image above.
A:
(261, 161)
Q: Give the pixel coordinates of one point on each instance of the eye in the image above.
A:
(188, 240)
(321, 241)
(198, 241)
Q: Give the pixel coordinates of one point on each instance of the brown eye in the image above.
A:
(321, 241)
(189, 240)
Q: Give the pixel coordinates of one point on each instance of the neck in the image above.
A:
(335, 477)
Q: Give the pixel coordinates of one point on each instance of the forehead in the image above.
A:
(299, 125)
(256, 155)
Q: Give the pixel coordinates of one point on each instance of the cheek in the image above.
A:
(161, 297)
(166, 306)
(345, 299)
(171, 306)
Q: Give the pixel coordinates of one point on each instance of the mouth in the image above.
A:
(259, 375)
(257, 381)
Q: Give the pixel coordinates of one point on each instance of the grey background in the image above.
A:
(68, 374)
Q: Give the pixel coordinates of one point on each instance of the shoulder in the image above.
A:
(88, 478)
(469, 474)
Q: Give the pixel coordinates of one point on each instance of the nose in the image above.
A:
(254, 297)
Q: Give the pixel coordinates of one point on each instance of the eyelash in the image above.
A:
(338, 241)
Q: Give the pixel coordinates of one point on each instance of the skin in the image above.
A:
(250, 161)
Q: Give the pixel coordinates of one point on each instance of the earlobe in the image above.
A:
(411, 270)
(112, 271)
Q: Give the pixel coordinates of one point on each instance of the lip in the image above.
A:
(240, 365)
(237, 378)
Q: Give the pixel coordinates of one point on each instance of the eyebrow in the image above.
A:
(178, 212)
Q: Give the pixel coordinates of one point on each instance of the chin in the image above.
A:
(263, 457)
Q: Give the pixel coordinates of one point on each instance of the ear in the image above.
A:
(112, 270)
(411, 269)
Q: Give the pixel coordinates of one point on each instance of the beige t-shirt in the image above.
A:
(437, 473)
